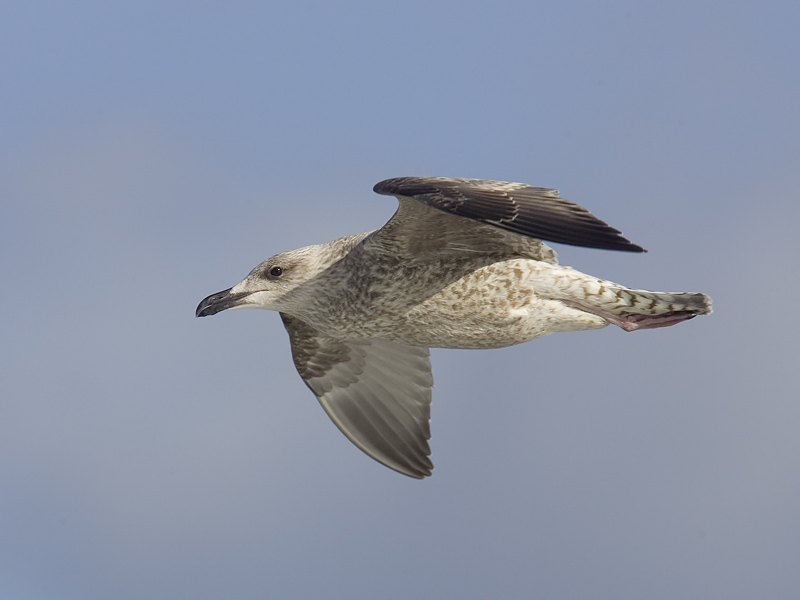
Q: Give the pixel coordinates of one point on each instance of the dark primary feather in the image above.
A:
(516, 207)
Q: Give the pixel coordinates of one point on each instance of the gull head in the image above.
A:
(274, 284)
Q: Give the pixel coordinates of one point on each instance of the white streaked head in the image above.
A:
(272, 285)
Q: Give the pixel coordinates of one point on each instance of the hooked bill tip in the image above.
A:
(214, 303)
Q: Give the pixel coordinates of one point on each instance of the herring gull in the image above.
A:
(461, 264)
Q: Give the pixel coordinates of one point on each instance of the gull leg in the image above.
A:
(627, 308)
(632, 322)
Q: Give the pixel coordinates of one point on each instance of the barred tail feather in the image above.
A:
(640, 309)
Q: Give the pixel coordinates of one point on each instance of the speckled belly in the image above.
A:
(493, 307)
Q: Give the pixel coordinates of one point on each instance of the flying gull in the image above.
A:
(461, 264)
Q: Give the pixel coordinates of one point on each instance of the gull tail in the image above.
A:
(627, 308)
(640, 309)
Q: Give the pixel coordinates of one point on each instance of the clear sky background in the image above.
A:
(152, 153)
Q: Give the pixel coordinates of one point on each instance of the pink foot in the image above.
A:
(632, 322)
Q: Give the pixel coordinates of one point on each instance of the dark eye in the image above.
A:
(276, 271)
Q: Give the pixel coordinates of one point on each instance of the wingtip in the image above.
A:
(419, 474)
(631, 247)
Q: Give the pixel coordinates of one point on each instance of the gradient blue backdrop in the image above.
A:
(151, 153)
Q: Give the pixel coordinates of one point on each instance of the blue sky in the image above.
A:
(153, 153)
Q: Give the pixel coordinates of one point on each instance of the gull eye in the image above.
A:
(276, 271)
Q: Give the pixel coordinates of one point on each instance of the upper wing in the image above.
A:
(515, 207)
(377, 392)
